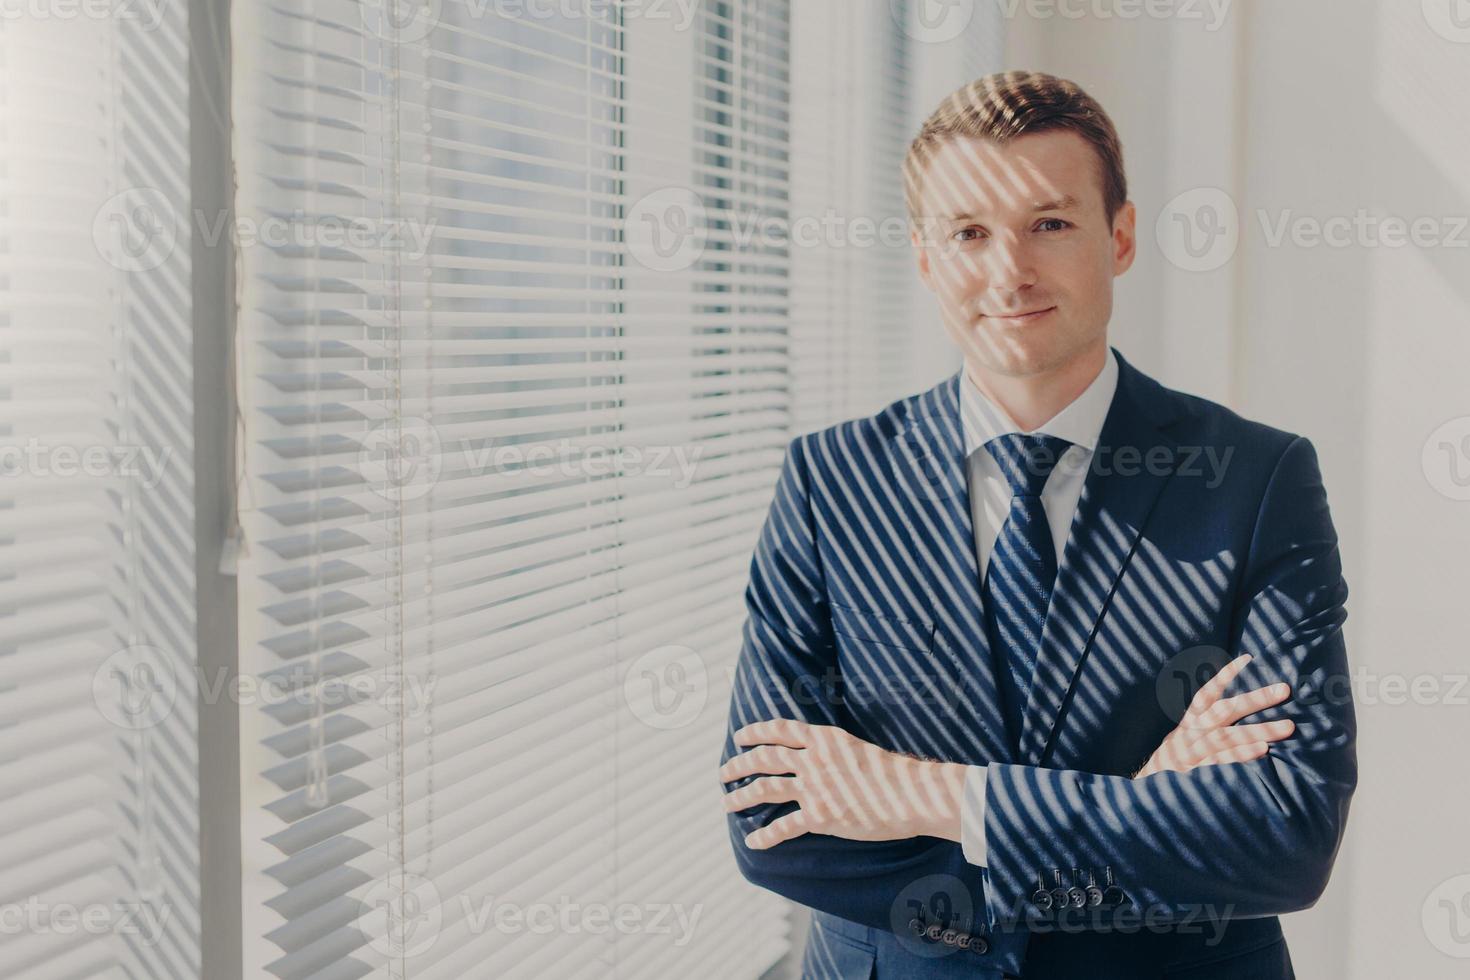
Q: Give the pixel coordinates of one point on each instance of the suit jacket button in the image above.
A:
(1042, 900)
(979, 945)
(916, 927)
(948, 937)
(1076, 897)
(964, 942)
(933, 932)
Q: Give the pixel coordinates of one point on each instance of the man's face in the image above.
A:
(1020, 252)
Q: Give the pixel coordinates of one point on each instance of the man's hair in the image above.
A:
(1008, 104)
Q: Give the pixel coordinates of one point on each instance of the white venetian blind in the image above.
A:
(99, 863)
(853, 271)
(506, 458)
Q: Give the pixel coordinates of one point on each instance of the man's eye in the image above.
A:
(1056, 221)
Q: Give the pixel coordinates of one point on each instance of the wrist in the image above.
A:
(942, 786)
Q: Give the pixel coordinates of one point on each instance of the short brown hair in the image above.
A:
(1008, 104)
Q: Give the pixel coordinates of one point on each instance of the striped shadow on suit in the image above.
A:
(1199, 535)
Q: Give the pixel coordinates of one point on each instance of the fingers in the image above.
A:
(794, 824)
(1237, 753)
(1208, 734)
(771, 760)
(1222, 738)
(1231, 710)
(1171, 762)
(767, 789)
(1215, 686)
(1208, 710)
(778, 731)
(1181, 753)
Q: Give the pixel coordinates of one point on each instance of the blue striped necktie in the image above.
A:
(1022, 569)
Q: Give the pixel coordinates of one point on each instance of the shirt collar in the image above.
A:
(1080, 423)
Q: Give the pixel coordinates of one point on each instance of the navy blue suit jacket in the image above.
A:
(1200, 535)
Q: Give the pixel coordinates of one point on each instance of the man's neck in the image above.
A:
(1036, 399)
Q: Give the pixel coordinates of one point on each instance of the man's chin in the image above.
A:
(1015, 357)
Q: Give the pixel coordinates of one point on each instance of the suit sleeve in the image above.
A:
(1239, 840)
(788, 669)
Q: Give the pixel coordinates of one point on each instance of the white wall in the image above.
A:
(1315, 109)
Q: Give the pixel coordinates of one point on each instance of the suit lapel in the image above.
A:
(928, 466)
(1117, 496)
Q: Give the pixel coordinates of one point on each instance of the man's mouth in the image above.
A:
(1019, 318)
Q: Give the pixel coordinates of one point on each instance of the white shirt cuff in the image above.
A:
(972, 817)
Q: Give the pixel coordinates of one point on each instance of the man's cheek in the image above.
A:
(957, 280)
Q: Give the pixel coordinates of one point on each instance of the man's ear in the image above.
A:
(1125, 238)
(922, 255)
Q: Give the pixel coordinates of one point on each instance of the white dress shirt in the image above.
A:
(1079, 423)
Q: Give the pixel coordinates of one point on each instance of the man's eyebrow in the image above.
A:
(1064, 203)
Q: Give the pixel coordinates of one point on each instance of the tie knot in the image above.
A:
(1027, 461)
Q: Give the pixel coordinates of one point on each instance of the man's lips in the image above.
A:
(1026, 317)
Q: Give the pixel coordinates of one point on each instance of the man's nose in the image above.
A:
(1009, 263)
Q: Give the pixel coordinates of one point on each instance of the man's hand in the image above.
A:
(844, 787)
(1207, 735)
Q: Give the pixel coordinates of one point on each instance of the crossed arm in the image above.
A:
(1212, 819)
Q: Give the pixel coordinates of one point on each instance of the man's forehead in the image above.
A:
(967, 175)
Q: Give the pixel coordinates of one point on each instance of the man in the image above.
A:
(982, 720)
